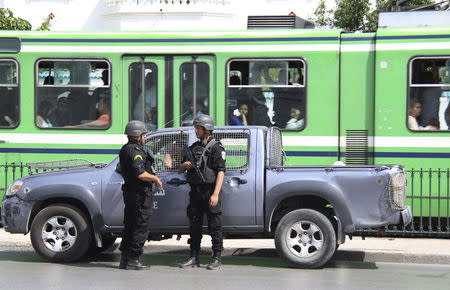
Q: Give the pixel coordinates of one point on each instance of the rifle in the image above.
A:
(190, 157)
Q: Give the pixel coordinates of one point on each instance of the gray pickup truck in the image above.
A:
(308, 210)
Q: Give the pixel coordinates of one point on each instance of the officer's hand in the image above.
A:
(186, 165)
(213, 200)
(159, 183)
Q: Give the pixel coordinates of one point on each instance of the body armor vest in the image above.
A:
(201, 155)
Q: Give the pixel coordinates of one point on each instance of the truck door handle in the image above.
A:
(241, 181)
(176, 181)
(237, 180)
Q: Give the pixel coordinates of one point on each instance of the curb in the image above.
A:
(387, 257)
(340, 255)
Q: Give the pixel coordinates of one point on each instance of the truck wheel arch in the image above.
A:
(94, 217)
(312, 200)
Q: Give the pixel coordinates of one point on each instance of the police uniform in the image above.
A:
(210, 162)
(137, 197)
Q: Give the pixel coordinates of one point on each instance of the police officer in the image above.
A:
(205, 178)
(136, 166)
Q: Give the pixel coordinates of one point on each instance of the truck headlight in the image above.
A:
(14, 188)
(397, 189)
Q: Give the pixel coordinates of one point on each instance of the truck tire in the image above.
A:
(61, 233)
(305, 238)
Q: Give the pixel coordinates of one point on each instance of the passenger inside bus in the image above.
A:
(102, 92)
(49, 80)
(9, 105)
(258, 107)
(296, 122)
(43, 117)
(8, 108)
(104, 116)
(7, 121)
(240, 115)
(62, 115)
(284, 98)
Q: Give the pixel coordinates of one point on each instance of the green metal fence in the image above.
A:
(9, 172)
(428, 195)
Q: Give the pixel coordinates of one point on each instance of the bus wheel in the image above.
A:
(61, 234)
(305, 238)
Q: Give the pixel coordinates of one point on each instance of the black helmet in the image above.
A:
(135, 128)
(204, 121)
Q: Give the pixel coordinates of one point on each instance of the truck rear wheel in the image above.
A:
(61, 233)
(305, 238)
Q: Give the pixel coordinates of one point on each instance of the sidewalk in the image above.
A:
(398, 250)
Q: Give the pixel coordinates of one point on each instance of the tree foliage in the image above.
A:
(352, 15)
(9, 22)
(46, 24)
(322, 16)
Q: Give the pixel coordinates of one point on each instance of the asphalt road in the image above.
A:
(21, 269)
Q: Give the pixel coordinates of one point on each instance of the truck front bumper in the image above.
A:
(15, 214)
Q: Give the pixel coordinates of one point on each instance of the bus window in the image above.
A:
(9, 94)
(429, 94)
(73, 94)
(143, 106)
(267, 92)
(194, 91)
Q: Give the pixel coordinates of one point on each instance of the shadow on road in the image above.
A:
(171, 258)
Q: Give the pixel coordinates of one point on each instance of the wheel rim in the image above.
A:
(59, 233)
(304, 239)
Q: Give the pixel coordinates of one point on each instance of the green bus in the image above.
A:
(359, 98)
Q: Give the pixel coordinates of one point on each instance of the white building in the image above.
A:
(154, 14)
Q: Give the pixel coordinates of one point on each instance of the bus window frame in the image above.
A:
(304, 86)
(17, 85)
(410, 85)
(37, 86)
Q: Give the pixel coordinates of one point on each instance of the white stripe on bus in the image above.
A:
(394, 141)
(292, 141)
(237, 48)
(180, 48)
(30, 138)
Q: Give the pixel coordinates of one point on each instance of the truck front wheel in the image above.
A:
(61, 233)
(305, 238)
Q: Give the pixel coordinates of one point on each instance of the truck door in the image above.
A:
(169, 205)
(239, 188)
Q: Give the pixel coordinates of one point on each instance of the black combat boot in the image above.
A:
(215, 261)
(131, 264)
(193, 261)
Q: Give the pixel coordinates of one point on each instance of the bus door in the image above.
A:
(194, 88)
(145, 87)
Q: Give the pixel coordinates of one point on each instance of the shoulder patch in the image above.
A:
(138, 156)
(223, 155)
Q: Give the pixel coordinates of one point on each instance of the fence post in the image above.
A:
(421, 200)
